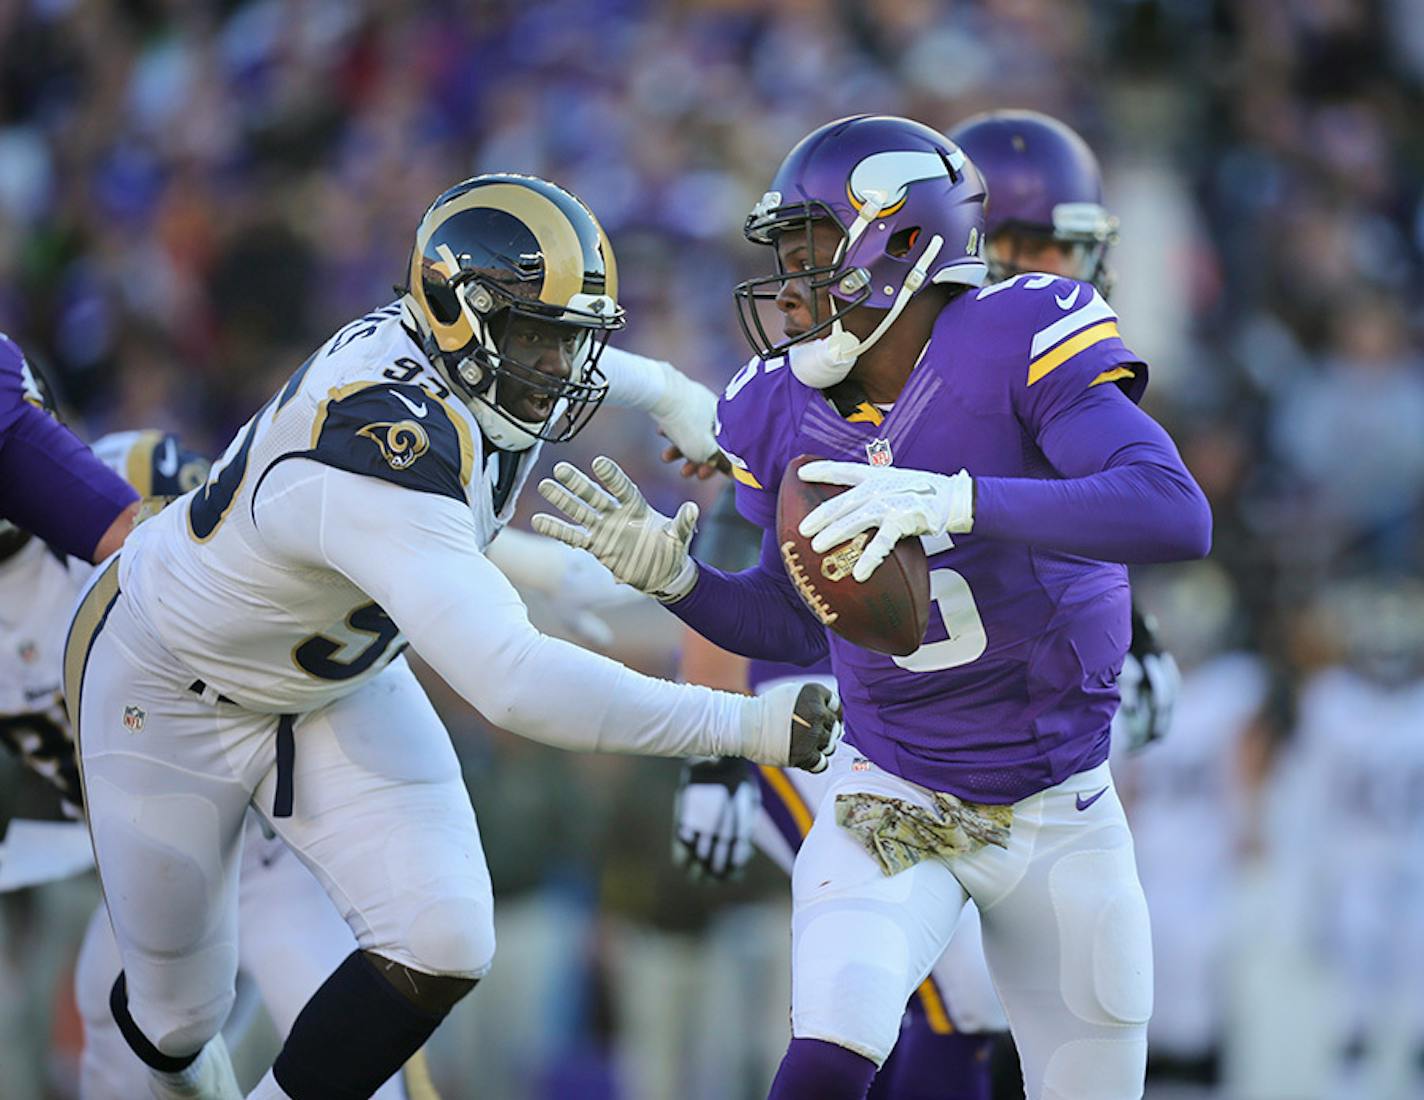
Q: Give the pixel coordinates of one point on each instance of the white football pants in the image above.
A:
(381, 819)
(290, 940)
(1065, 931)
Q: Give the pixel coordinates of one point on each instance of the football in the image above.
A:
(887, 613)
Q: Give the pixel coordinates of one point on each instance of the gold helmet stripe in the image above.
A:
(558, 240)
(610, 265)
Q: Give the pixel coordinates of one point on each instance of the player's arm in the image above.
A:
(755, 612)
(415, 554)
(684, 410)
(50, 482)
(1124, 495)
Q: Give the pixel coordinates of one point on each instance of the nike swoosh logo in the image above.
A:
(1067, 303)
(1083, 803)
(168, 460)
(419, 410)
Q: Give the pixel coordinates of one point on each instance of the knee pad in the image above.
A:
(1105, 938)
(163, 1038)
(452, 937)
(1098, 1069)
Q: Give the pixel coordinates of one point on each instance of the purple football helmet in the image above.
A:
(910, 207)
(1043, 181)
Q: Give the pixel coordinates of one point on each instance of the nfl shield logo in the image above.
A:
(878, 451)
(133, 719)
(860, 764)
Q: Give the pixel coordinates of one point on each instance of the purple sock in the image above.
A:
(813, 1070)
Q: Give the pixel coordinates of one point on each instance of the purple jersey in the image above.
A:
(1014, 687)
(50, 483)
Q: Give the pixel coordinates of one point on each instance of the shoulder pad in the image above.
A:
(396, 432)
(1070, 330)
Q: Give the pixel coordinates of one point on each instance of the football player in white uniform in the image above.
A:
(292, 937)
(268, 610)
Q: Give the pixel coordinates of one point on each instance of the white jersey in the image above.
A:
(1187, 813)
(274, 634)
(351, 514)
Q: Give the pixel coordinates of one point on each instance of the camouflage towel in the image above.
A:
(898, 834)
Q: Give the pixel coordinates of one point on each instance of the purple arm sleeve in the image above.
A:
(1125, 497)
(755, 613)
(51, 483)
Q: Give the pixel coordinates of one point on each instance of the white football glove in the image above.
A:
(716, 806)
(640, 546)
(1148, 686)
(687, 414)
(898, 503)
(793, 724)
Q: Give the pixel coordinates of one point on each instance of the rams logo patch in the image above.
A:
(401, 442)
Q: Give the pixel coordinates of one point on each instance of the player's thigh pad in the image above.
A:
(165, 788)
(1070, 947)
(862, 941)
(382, 818)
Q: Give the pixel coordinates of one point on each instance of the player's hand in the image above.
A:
(1148, 684)
(717, 464)
(687, 414)
(792, 724)
(639, 545)
(899, 504)
(713, 814)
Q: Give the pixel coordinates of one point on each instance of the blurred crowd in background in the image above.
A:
(193, 196)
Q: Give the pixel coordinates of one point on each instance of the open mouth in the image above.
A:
(539, 404)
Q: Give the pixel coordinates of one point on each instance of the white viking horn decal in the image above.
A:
(890, 175)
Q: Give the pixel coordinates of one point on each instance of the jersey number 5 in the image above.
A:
(959, 616)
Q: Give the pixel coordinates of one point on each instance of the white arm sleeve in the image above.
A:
(634, 381)
(415, 554)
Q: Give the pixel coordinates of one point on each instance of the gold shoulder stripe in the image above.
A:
(138, 466)
(1069, 348)
(467, 440)
(746, 477)
(336, 393)
(787, 792)
(1117, 374)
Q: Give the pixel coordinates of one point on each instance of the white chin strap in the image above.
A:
(825, 362)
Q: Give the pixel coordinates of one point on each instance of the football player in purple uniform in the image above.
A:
(1000, 426)
(50, 483)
